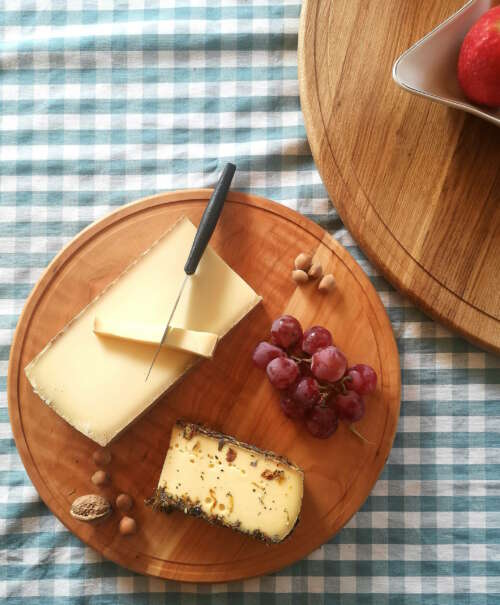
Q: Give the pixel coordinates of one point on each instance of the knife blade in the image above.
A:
(203, 234)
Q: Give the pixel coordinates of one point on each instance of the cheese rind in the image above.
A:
(192, 341)
(226, 482)
(98, 384)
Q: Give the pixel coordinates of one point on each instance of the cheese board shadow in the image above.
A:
(259, 239)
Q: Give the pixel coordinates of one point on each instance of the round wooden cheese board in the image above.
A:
(259, 239)
(417, 184)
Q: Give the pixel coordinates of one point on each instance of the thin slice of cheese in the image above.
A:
(98, 384)
(226, 482)
(200, 343)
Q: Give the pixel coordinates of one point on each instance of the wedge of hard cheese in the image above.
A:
(97, 384)
(200, 343)
(226, 482)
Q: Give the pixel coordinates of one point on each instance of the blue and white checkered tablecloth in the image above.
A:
(103, 102)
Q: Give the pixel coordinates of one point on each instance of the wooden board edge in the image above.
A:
(315, 128)
(172, 570)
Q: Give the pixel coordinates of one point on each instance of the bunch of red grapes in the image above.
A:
(312, 373)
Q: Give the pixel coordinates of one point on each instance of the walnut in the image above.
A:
(90, 508)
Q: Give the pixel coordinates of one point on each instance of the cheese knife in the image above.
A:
(201, 239)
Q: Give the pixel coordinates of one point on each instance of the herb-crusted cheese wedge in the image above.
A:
(226, 482)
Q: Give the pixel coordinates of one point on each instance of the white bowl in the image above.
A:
(429, 67)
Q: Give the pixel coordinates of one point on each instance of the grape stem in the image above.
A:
(339, 387)
(359, 435)
(301, 359)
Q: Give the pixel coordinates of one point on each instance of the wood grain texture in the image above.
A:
(416, 183)
(259, 239)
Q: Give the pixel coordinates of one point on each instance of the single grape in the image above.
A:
(306, 392)
(286, 332)
(291, 408)
(282, 372)
(322, 421)
(316, 338)
(349, 407)
(329, 364)
(356, 381)
(264, 353)
(369, 377)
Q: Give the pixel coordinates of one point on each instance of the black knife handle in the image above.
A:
(209, 218)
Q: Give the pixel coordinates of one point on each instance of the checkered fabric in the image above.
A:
(104, 102)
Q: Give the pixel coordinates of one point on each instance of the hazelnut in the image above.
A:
(100, 478)
(124, 502)
(315, 271)
(101, 457)
(299, 276)
(327, 283)
(303, 261)
(128, 526)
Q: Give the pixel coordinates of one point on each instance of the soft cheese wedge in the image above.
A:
(98, 384)
(200, 343)
(226, 482)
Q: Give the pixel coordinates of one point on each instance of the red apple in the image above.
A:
(479, 60)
